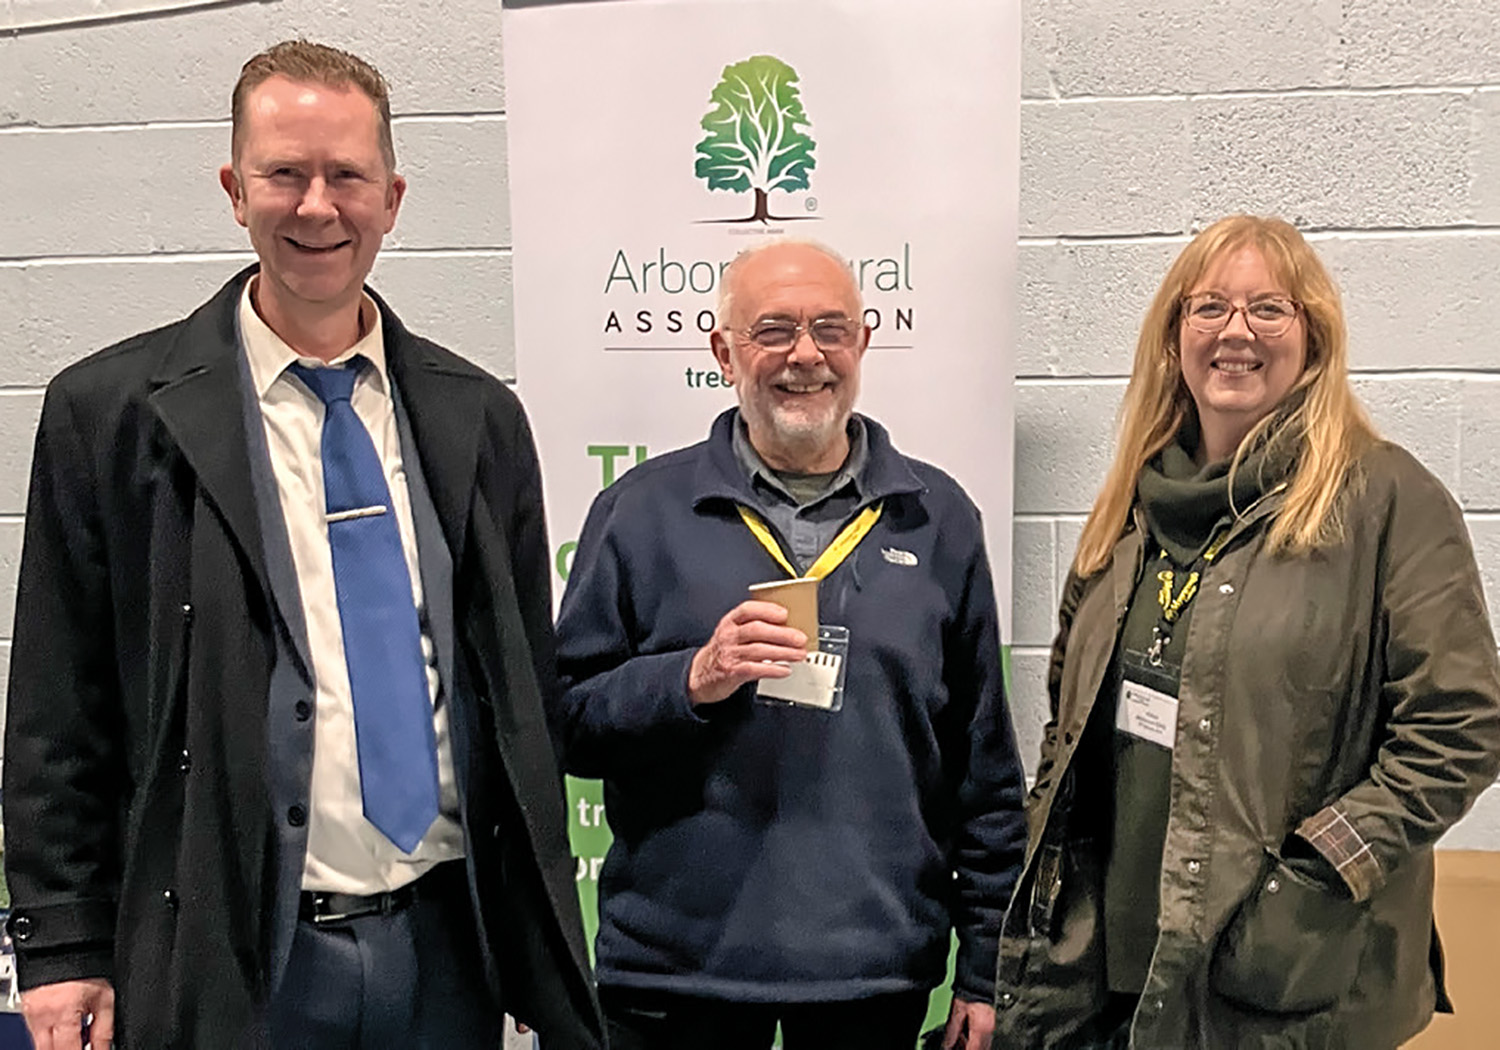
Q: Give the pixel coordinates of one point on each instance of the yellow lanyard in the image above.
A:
(1171, 606)
(832, 555)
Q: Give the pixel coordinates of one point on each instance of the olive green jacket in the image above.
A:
(1351, 695)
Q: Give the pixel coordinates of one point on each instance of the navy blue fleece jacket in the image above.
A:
(783, 854)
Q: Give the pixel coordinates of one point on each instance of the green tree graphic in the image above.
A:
(755, 134)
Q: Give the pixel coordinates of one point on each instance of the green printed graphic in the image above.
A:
(756, 138)
(589, 832)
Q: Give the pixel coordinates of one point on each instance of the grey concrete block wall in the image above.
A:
(155, 190)
(1373, 123)
(111, 135)
(441, 56)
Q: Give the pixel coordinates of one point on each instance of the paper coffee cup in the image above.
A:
(799, 598)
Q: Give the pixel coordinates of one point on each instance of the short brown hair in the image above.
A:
(308, 63)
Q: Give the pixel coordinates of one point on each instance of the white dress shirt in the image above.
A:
(345, 852)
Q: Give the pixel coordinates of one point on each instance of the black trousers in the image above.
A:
(411, 980)
(640, 1020)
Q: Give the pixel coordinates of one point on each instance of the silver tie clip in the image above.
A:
(357, 512)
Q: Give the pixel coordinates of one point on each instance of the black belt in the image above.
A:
(321, 908)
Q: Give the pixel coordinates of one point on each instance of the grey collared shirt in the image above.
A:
(809, 526)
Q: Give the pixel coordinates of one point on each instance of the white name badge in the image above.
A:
(1147, 713)
(810, 684)
(817, 681)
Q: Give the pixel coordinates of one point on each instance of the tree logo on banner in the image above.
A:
(757, 138)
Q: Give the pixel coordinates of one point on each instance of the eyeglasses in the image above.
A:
(1269, 317)
(828, 334)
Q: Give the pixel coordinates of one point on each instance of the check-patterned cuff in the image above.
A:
(1332, 835)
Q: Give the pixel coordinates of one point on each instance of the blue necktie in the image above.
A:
(397, 746)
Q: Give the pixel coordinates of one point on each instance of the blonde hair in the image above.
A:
(305, 62)
(1325, 428)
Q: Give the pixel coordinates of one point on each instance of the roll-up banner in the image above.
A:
(652, 140)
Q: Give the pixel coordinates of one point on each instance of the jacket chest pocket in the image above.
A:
(1297, 629)
(1293, 658)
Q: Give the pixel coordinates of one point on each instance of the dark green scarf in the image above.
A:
(1185, 503)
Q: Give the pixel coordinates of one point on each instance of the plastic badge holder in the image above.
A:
(818, 681)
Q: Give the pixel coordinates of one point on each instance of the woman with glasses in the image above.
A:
(1273, 687)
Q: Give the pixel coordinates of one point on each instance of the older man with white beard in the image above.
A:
(798, 858)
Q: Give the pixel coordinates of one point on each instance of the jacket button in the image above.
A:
(20, 927)
(303, 710)
(169, 898)
(1194, 867)
(1205, 725)
(1226, 588)
(296, 816)
(495, 832)
(1273, 885)
(1007, 1000)
(184, 762)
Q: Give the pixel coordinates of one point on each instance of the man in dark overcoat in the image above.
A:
(276, 766)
